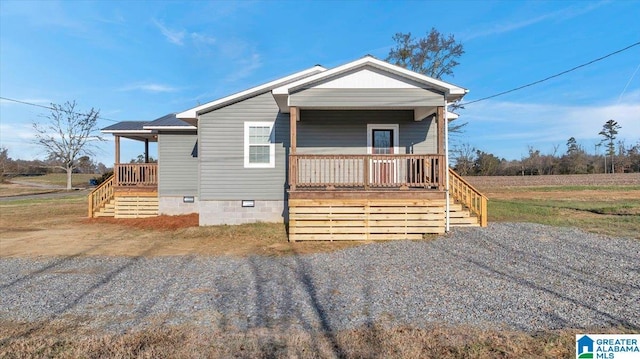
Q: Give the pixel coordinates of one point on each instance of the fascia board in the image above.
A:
(447, 87)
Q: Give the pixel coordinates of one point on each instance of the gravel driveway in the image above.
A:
(510, 275)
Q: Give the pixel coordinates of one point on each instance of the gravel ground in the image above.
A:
(513, 276)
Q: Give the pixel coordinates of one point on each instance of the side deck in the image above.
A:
(132, 192)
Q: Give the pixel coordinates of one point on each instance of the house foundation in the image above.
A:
(233, 212)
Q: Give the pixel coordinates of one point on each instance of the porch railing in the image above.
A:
(100, 196)
(465, 193)
(136, 174)
(366, 171)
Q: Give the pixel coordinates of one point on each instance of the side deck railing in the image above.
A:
(136, 174)
(366, 171)
(101, 195)
(466, 194)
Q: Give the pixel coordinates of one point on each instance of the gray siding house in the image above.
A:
(353, 152)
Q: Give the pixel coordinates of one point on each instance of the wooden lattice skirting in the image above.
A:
(364, 219)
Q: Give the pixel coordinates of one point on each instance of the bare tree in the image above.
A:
(464, 157)
(5, 162)
(434, 55)
(68, 135)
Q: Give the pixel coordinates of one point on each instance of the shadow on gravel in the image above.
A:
(303, 275)
(574, 274)
(527, 283)
(47, 267)
(60, 311)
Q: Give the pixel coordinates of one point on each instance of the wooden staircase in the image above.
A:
(106, 201)
(468, 207)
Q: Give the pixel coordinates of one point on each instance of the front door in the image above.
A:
(383, 170)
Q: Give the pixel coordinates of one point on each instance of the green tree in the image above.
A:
(68, 135)
(141, 159)
(434, 55)
(572, 146)
(609, 133)
(486, 164)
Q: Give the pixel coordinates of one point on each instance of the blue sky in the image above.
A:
(139, 60)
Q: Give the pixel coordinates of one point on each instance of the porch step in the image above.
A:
(459, 216)
(108, 210)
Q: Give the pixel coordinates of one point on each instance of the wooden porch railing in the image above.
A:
(466, 194)
(100, 195)
(136, 174)
(366, 171)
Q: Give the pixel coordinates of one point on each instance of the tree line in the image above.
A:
(618, 157)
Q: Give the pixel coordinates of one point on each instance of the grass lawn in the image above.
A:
(59, 179)
(609, 210)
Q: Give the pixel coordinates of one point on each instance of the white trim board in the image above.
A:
(391, 126)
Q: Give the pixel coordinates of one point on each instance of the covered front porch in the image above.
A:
(365, 174)
(132, 190)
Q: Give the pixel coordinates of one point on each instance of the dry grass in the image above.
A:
(63, 339)
(59, 227)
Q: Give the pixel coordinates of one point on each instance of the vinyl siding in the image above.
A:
(371, 98)
(178, 170)
(345, 132)
(221, 152)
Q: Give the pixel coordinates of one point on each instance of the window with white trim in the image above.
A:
(259, 145)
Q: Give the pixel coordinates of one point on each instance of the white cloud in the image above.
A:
(247, 66)
(562, 14)
(173, 36)
(199, 38)
(149, 87)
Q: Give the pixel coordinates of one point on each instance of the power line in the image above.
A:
(51, 108)
(552, 76)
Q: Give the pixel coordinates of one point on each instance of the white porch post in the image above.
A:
(446, 162)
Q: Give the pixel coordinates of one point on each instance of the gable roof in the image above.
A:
(192, 114)
(168, 122)
(453, 92)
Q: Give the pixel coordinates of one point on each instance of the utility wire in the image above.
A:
(51, 108)
(552, 76)
(463, 104)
